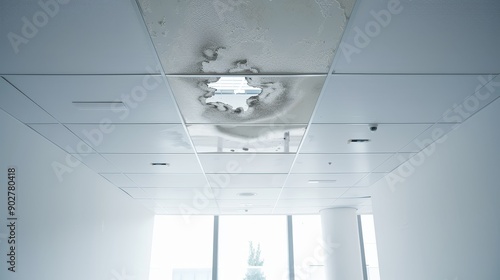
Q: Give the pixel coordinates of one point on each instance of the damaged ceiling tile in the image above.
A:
(242, 36)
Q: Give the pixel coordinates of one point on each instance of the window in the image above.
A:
(308, 252)
(370, 247)
(252, 247)
(182, 249)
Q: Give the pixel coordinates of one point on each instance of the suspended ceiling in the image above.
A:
(122, 86)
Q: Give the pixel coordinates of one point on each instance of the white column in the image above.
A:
(342, 249)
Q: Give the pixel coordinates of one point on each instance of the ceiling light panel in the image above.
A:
(284, 100)
(93, 99)
(246, 36)
(246, 138)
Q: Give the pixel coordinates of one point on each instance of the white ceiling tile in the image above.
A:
(370, 179)
(256, 193)
(338, 163)
(119, 180)
(245, 203)
(145, 98)
(246, 211)
(20, 107)
(298, 203)
(134, 138)
(135, 192)
(422, 36)
(394, 161)
(246, 163)
(143, 163)
(393, 98)
(62, 137)
(246, 138)
(335, 138)
(186, 216)
(162, 180)
(162, 193)
(324, 180)
(312, 193)
(195, 204)
(80, 37)
(354, 192)
(432, 134)
(246, 32)
(231, 180)
(97, 163)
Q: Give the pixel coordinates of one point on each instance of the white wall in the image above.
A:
(80, 228)
(443, 221)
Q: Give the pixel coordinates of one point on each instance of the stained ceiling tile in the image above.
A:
(246, 36)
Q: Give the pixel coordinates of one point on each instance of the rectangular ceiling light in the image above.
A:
(358, 141)
(321, 181)
(100, 105)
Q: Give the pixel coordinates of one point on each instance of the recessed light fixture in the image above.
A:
(247, 194)
(160, 164)
(358, 141)
(100, 105)
(321, 181)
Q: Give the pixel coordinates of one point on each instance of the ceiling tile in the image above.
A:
(284, 100)
(195, 204)
(160, 180)
(231, 180)
(97, 163)
(153, 163)
(324, 180)
(246, 163)
(338, 163)
(140, 138)
(246, 138)
(297, 211)
(393, 162)
(245, 203)
(432, 134)
(81, 37)
(62, 137)
(421, 36)
(20, 107)
(144, 98)
(119, 180)
(393, 98)
(370, 179)
(248, 194)
(163, 193)
(335, 138)
(237, 36)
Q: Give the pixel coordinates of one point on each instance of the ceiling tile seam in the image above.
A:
(320, 97)
(415, 138)
(138, 8)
